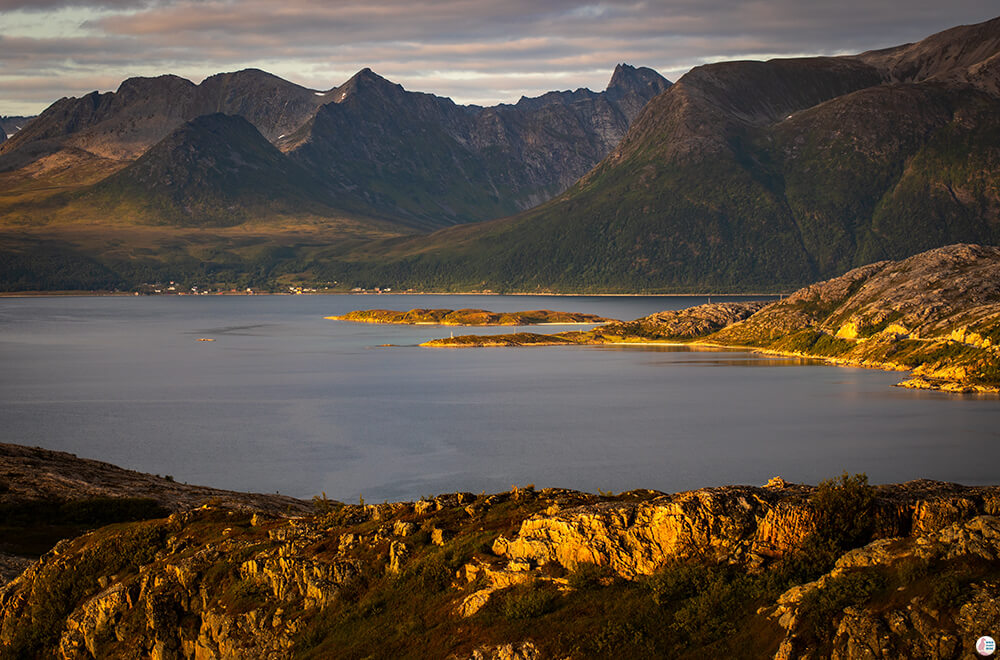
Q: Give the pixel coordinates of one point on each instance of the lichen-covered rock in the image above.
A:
(637, 538)
(398, 551)
(97, 616)
(734, 524)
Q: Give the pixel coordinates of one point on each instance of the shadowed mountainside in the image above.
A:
(214, 170)
(11, 125)
(46, 496)
(33, 473)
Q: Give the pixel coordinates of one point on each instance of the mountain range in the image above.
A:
(742, 176)
(367, 148)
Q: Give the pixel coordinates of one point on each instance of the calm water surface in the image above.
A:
(286, 401)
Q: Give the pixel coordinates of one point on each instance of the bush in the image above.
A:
(704, 602)
(588, 576)
(845, 510)
(677, 582)
(431, 574)
(528, 601)
(616, 636)
(821, 609)
(948, 593)
(845, 519)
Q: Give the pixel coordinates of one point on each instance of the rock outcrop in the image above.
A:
(684, 324)
(732, 524)
(937, 312)
(915, 624)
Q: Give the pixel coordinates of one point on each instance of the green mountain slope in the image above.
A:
(752, 176)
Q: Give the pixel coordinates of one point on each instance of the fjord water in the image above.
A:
(285, 401)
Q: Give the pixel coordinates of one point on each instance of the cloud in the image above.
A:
(473, 50)
(52, 5)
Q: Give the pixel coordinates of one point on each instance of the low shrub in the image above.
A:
(527, 601)
(821, 609)
(588, 576)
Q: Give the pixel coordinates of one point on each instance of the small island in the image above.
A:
(478, 317)
(513, 339)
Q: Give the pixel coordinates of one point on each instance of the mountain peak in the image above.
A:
(247, 75)
(628, 78)
(148, 84)
(368, 81)
(622, 70)
(366, 75)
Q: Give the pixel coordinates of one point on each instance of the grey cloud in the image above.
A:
(502, 49)
(51, 5)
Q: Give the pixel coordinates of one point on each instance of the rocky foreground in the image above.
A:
(842, 570)
(467, 317)
(936, 314)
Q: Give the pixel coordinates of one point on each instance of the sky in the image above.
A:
(474, 51)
